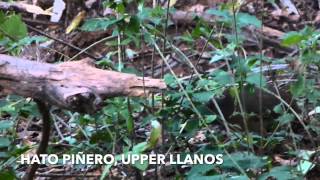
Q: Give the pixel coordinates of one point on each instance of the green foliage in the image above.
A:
(199, 171)
(306, 164)
(7, 174)
(5, 124)
(202, 97)
(13, 33)
(113, 128)
(281, 172)
(12, 27)
(294, 37)
(256, 79)
(223, 78)
(10, 109)
(12, 30)
(308, 42)
(170, 81)
(100, 24)
(210, 118)
(242, 19)
(285, 118)
(245, 160)
(223, 54)
(17, 46)
(155, 134)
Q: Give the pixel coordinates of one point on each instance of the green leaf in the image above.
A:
(223, 78)
(170, 80)
(222, 13)
(202, 97)
(106, 171)
(14, 27)
(5, 125)
(2, 17)
(28, 40)
(285, 118)
(120, 8)
(134, 24)
(153, 15)
(102, 136)
(129, 123)
(246, 160)
(186, 38)
(210, 118)
(131, 70)
(70, 140)
(245, 19)
(278, 109)
(7, 175)
(199, 170)
(155, 133)
(298, 87)
(196, 32)
(210, 83)
(254, 78)
(280, 172)
(99, 24)
(4, 142)
(292, 38)
(141, 166)
(215, 177)
(223, 53)
(9, 109)
(305, 165)
(140, 148)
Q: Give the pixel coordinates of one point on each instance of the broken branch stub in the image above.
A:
(77, 85)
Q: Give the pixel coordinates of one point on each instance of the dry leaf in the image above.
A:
(25, 7)
(76, 21)
(35, 9)
(58, 8)
(290, 7)
(197, 8)
(285, 162)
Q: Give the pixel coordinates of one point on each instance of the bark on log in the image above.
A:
(77, 85)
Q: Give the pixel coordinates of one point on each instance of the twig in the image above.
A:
(63, 42)
(93, 44)
(61, 121)
(57, 128)
(35, 21)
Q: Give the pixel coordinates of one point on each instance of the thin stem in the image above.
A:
(93, 44)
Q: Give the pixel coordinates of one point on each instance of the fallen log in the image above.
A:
(76, 85)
